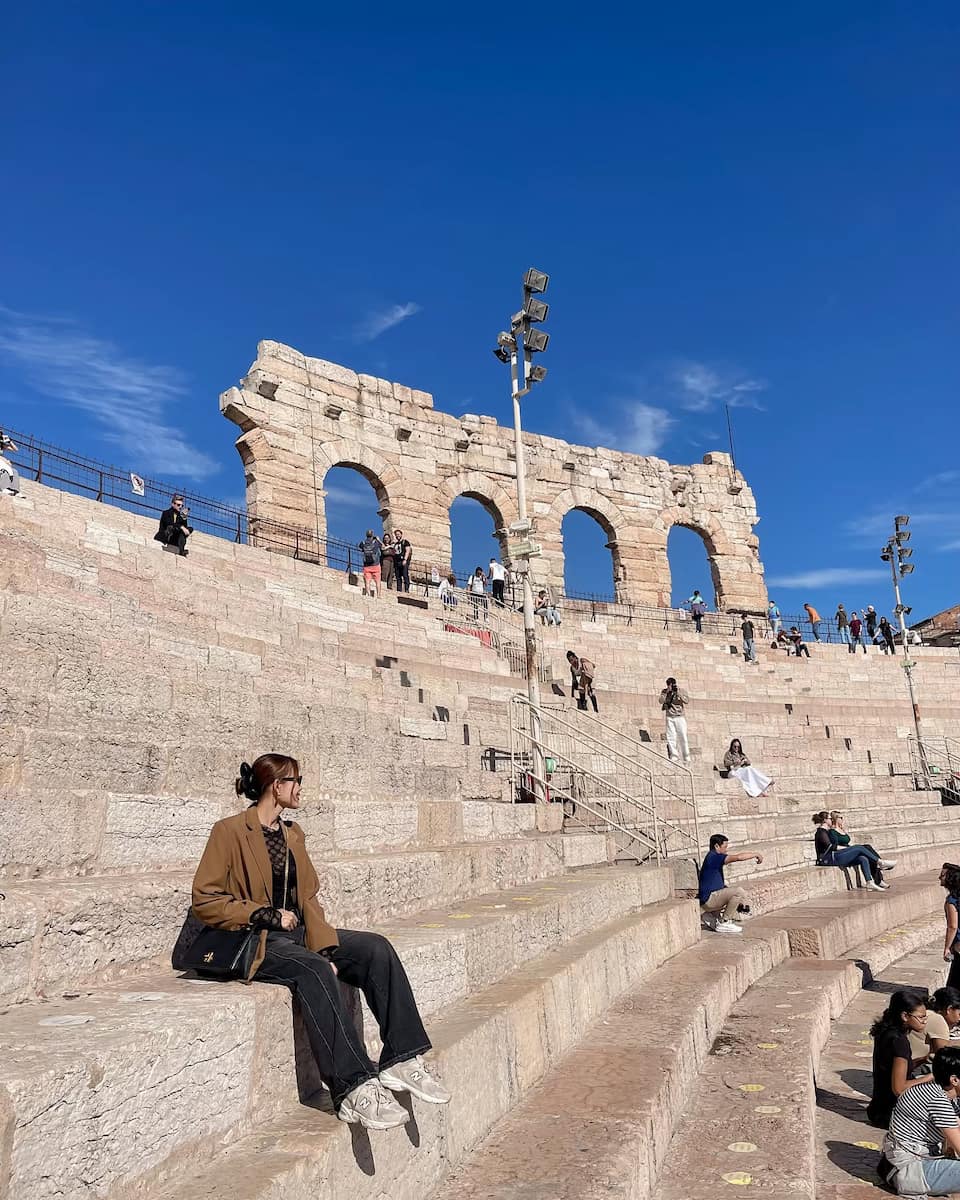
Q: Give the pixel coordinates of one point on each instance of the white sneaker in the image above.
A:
(872, 886)
(728, 927)
(413, 1076)
(887, 864)
(373, 1107)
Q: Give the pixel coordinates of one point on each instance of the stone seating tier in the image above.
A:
(723, 1014)
(500, 980)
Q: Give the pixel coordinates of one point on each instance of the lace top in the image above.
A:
(269, 918)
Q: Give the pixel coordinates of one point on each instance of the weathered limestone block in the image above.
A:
(392, 435)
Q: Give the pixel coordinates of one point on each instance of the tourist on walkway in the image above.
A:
(950, 879)
(754, 782)
(174, 529)
(372, 550)
(885, 630)
(255, 873)
(840, 840)
(498, 576)
(697, 608)
(402, 553)
(856, 634)
(749, 650)
(773, 616)
(893, 1060)
(582, 671)
(870, 620)
(799, 645)
(387, 576)
(843, 624)
(722, 904)
(478, 593)
(545, 609)
(814, 618)
(9, 479)
(832, 854)
(673, 702)
(921, 1148)
(447, 591)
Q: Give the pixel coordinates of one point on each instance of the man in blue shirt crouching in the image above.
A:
(721, 904)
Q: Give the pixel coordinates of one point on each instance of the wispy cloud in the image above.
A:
(56, 358)
(700, 386)
(938, 480)
(827, 577)
(376, 323)
(639, 428)
(937, 528)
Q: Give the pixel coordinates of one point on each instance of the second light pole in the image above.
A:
(517, 348)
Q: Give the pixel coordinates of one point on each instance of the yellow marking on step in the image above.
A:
(767, 1109)
(867, 1145)
(742, 1147)
(752, 1087)
(768, 1045)
(738, 1178)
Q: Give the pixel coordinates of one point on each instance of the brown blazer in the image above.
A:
(235, 878)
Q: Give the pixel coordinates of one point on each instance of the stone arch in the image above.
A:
(608, 515)
(381, 476)
(494, 498)
(716, 543)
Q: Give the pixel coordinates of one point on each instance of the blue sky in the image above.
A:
(753, 203)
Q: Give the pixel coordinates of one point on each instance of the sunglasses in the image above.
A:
(291, 779)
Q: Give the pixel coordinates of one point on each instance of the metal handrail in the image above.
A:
(586, 742)
(935, 759)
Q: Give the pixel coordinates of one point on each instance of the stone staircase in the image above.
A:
(138, 683)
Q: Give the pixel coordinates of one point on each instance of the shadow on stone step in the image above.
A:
(858, 1080)
(857, 1162)
(850, 1107)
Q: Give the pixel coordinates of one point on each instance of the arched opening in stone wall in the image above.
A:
(691, 563)
(353, 501)
(591, 559)
(476, 534)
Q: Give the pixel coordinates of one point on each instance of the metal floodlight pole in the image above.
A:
(893, 552)
(520, 384)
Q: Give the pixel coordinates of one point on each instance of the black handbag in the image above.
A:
(220, 953)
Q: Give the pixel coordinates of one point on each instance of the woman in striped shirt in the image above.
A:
(924, 1130)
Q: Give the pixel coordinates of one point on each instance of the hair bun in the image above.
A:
(246, 785)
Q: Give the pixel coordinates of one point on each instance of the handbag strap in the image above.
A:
(286, 863)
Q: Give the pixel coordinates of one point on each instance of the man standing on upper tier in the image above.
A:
(773, 616)
(814, 618)
(843, 624)
(746, 628)
(673, 701)
(498, 577)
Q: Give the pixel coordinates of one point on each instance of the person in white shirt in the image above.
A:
(447, 591)
(498, 575)
(9, 479)
(478, 593)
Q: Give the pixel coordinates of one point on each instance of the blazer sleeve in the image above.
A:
(213, 902)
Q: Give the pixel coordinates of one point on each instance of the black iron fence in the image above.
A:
(83, 476)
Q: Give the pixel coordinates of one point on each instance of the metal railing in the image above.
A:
(499, 628)
(935, 764)
(603, 786)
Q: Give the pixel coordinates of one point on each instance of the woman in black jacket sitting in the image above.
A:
(829, 854)
(174, 529)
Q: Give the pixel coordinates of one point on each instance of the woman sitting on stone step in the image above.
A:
(255, 872)
(736, 763)
(893, 1060)
(833, 854)
(943, 1018)
(840, 840)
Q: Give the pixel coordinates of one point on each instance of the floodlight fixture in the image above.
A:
(903, 537)
(535, 341)
(535, 281)
(907, 569)
(503, 355)
(884, 554)
(518, 322)
(535, 310)
(906, 553)
(538, 374)
(507, 341)
(901, 521)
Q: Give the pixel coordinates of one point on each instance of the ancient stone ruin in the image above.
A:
(301, 416)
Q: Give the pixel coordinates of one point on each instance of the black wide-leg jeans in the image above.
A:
(366, 961)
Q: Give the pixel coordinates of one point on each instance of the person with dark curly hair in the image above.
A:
(255, 873)
(950, 880)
